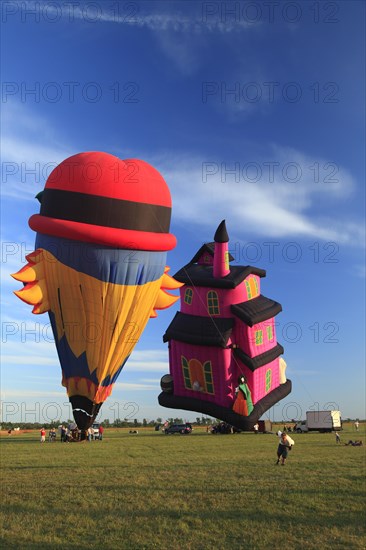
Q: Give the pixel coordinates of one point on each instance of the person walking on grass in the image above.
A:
(338, 438)
(43, 435)
(285, 445)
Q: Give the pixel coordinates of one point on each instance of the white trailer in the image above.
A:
(321, 421)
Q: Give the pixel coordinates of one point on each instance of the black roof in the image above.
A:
(207, 247)
(202, 275)
(202, 331)
(259, 360)
(256, 310)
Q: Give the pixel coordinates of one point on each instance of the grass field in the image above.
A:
(196, 491)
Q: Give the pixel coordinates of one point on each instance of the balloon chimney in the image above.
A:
(221, 266)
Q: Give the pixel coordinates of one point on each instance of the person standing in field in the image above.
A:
(101, 431)
(357, 425)
(285, 445)
(256, 428)
(43, 435)
(338, 439)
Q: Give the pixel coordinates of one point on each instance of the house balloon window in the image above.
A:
(268, 380)
(258, 337)
(188, 296)
(251, 285)
(213, 303)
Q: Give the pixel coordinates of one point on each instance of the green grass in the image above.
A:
(182, 492)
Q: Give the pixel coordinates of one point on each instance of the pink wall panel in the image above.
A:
(251, 345)
(227, 297)
(220, 360)
(260, 380)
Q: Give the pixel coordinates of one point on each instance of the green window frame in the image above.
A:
(213, 303)
(186, 373)
(207, 370)
(249, 290)
(268, 380)
(252, 288)
(269, 329)
(207, 373)
(258, 337)
(188, 296)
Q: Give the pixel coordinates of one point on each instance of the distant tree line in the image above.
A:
(118, 423)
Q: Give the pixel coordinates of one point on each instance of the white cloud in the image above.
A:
(286, 194)
(29, 152)
(27, 394)
(290, 199)
(31, 360)
(135, 15)
(147, 361)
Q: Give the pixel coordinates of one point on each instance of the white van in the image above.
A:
(95, 428)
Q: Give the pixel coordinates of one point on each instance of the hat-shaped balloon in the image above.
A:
(96, 197)
(99, 268)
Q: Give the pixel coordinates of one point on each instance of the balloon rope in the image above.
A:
(213, 320)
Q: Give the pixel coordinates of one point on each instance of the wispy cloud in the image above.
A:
(287, 194)
(30, 394)
(29, 151)
(289, 201)
(202, 18)
(148, 361)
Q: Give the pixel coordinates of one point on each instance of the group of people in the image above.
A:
(221, 428)
(70, 433)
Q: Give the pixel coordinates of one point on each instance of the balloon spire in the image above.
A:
(221, 266)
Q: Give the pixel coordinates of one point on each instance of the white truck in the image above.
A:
(321, 421)
(95, 428)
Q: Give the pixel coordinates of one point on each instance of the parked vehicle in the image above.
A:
(321, 421)
(95, 428)
(179, 429)
(265, 426)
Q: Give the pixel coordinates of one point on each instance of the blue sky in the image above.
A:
(252, 114)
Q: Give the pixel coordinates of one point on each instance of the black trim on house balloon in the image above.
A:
(202, 275)
(256, 310)
(258, 361)
(201, 331)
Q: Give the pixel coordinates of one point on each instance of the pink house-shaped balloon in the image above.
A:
(225, 329)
